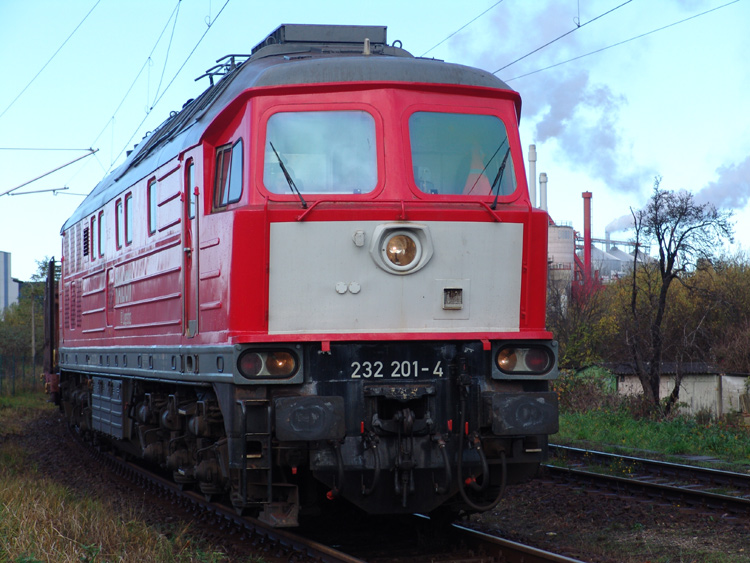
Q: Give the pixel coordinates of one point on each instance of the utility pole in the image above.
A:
(33, 339)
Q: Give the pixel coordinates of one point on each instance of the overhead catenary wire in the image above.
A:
(622, 42)
(173, 21)
(461, 28)
(173, 14)
(208, 28)
(10, 191)
(72, 33)
(169, 48)
(138, 75)
(578, 26)
(41, 149)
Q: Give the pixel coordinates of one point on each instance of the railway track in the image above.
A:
(276, 544)
(412, 538)
(416, 539)
(688, 485)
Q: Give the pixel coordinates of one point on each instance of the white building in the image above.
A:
(8, 285)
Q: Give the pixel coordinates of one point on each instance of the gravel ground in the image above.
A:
(600, 528)
(591, 527)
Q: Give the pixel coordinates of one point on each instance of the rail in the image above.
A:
(687, 484)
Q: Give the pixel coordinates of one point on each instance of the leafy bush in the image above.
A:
(591, 388)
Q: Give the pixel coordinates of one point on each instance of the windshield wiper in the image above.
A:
(288, 177)
(479, 176)
(498, 179)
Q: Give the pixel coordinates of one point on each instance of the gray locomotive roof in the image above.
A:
(280, 61)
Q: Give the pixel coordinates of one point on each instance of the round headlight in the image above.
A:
(402, 250)
(280, 363)
(507, 359)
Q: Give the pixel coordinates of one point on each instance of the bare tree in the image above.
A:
(684, 232)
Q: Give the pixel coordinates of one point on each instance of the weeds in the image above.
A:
(593, 412)
(41, 521)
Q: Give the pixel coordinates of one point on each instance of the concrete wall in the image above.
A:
(719, 394)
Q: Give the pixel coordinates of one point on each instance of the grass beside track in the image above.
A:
(593, 415)
(41, 520)
(618, 431)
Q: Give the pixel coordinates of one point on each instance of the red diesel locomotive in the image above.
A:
(322, 279)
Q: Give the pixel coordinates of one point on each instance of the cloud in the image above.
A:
(732, 188)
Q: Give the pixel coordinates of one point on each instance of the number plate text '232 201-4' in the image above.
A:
(396, 369)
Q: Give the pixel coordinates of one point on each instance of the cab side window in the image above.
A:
(152, 206)
(93, 235)
(119, 223)
(229, 173)
(129, 219)
(189, 195)
(101, 234)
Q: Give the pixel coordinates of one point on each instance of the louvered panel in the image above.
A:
(79, 308)
(67, 306)
(78, 247)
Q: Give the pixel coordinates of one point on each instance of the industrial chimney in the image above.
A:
(586, 235)
(543, 191)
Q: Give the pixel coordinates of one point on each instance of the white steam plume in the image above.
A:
(732, 188)
(623, 223)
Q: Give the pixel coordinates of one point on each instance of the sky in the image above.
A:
(646, 95)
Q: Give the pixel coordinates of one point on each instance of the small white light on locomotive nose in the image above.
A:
(402, 250)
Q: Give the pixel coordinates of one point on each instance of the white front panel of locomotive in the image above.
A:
(324, 277)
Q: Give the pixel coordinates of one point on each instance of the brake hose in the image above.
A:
(461, 489)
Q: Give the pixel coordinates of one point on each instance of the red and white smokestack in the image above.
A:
(586, 235)
(532, 174)
(543, 191)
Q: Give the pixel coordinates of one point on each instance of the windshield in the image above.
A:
(455, 153)
(326, 152)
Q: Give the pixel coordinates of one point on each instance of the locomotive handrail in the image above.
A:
(401, 202)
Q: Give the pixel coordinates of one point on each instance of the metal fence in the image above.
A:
(19, 375)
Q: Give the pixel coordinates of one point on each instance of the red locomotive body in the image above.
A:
(322, 278)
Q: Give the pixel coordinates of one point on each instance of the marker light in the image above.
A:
(250, 364)
(537, 360)
(267, 364)
(507, 359)
(524, 360)
(280, 363)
